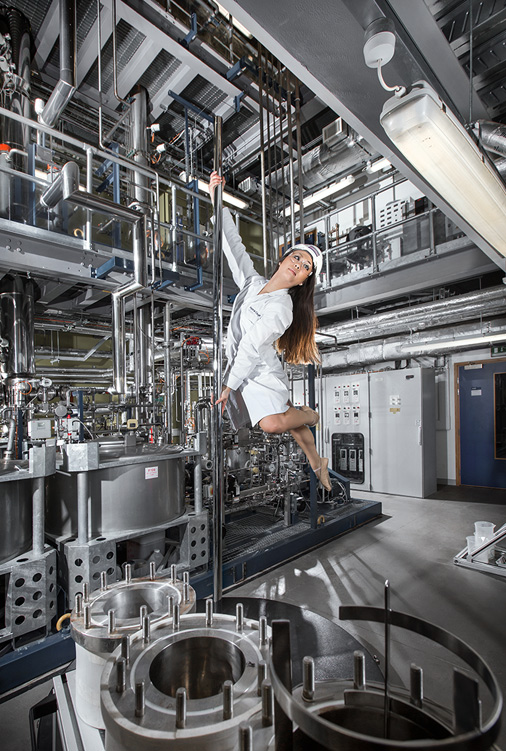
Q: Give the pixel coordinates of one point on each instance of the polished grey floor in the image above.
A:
(412, 545)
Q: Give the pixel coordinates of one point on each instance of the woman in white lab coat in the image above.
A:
(267, 313)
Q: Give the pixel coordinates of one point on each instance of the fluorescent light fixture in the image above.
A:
(320, 195)
(456, 343)
(227, 197)
(378, 165)
(440, 149)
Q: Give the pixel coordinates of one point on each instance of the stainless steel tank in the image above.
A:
(15, 512)
(133, 488)
(17, 327)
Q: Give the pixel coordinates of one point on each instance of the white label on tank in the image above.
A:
(150, 472)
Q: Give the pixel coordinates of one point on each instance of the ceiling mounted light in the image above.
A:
(379, 164)
(227, 197)
(456, 343)
(440, 149)
(320, 195)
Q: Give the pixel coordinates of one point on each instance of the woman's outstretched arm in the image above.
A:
(238, 258)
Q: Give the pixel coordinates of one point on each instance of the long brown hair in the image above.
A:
(298, 342)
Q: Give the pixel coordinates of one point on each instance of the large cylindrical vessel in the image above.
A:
(17, 327)
(15, 513)
(133, 489)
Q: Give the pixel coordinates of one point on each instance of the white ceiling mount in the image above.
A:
(379, 49)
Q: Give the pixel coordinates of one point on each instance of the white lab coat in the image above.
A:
(254, 369)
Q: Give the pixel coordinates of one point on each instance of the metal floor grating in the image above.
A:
(253, 533)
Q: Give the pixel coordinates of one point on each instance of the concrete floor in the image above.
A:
(412, 546)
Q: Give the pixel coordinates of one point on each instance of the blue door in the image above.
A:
(482, 409)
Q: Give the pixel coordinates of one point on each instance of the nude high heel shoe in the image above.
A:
(313, 418)
(322, 473)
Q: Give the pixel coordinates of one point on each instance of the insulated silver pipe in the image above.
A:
(64, 186)
(38, 506)
(472, 305)
(82, 507)
(167, 370)
(217, 431)
(492, 135)
(197, 473)
(66, 86)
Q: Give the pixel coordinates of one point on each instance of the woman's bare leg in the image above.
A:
(293, 422)
(304, 438)
(284, 421)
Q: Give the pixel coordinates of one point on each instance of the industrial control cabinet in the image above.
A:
(403, 432)
(346, 427)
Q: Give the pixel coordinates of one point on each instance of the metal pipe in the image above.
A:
(82, 507)
(217, 431)
(262, 155)
(89, 189)
(66, 86)
(471, 305)
(442, 342)
(11, 439)
(38, 501)
(167, 370)
(299, 158)
(64, 186)
(290, 157)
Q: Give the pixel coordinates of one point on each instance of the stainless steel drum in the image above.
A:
(133, 488)
(186, 686)
(15, 513)
(102, 621)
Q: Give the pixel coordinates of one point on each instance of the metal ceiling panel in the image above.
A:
(161, 69)
(203, 94)
(128, 40)
(35, 12)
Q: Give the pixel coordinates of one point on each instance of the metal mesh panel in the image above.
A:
(86, 17)
(128, 41)
(203, 94)
(159, 72)
(34, 11)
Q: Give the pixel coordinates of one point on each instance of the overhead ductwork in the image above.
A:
(440, 342)
(493, 138)
(484, 303)
(64, 89)
(325, 162)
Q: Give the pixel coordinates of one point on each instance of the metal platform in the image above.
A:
(257, 542)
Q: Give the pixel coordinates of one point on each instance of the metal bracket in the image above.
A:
(113, 264)
(191, 34)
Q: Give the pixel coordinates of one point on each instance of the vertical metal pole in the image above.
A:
(217, 432)
(38, 502)
(269, 161)
(82, 507)
(299, 159)
(312, 477)
(262, 157)
(282, 154)
(282, 663)
(290, 154)
(386, 709)
(181, 390)
(167, 372)
(89, 188)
